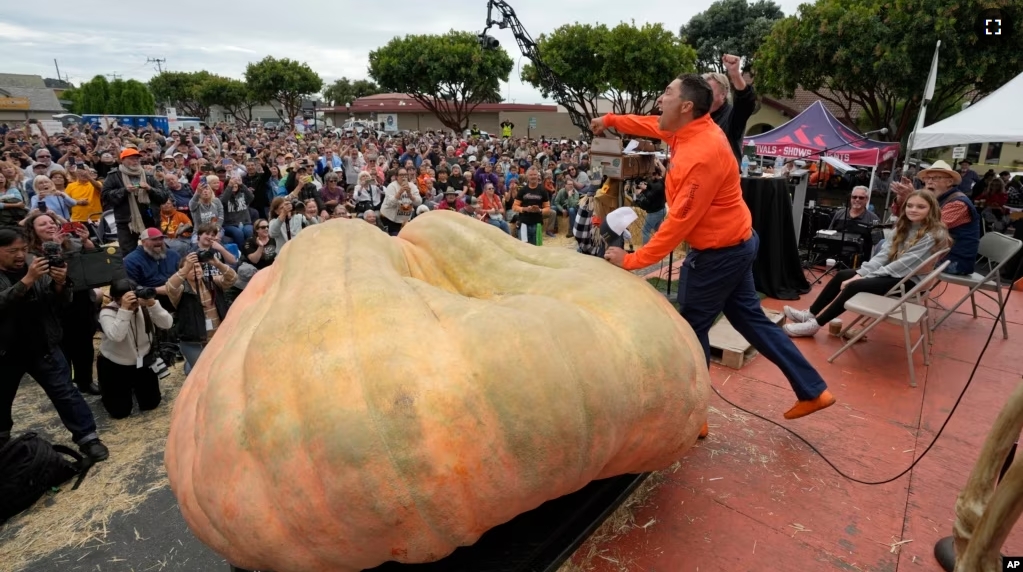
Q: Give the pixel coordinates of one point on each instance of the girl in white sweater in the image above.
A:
(124, 366)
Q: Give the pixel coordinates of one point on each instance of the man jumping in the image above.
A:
(706, 209)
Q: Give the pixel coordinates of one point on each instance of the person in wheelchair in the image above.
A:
(919, 233)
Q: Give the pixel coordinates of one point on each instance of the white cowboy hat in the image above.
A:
(941, 168)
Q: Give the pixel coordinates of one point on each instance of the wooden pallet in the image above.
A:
(729, 348)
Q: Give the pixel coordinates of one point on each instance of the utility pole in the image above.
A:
(159, 63)
(116, 76)
(58, 68)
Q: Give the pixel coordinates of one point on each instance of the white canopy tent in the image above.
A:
(994, 119)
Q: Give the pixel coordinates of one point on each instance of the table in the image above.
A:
(778, 272)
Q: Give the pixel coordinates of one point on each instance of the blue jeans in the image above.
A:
(501, 224)
(721, 280)
(652, 224)
(52, 373)
(571, 216)
(238, 235)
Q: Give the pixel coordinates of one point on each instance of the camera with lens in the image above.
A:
(206, 255)
(145, 293)
(54, 254)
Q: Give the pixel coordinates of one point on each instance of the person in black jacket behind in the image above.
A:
(135, 197)
(32, 296)
(731, 112)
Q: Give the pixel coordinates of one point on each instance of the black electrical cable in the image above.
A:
(976, 366)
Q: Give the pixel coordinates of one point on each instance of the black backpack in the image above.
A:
(30, 466)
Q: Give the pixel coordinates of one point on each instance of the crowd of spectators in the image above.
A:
(197, 212)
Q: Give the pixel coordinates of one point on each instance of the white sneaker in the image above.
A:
(798, 316)
(802, 329)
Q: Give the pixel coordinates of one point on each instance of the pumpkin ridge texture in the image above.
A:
(372, 398)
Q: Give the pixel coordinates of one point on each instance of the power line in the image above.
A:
(158, 61)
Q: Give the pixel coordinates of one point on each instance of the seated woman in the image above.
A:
(124, 365)
(919, 232)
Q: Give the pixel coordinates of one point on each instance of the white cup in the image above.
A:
(813, 204)
(830, 262)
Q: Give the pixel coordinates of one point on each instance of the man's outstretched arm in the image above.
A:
(638, 125)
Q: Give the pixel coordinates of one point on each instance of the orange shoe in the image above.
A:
(704, 431)
(804, 408)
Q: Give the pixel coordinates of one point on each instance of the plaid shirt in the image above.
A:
(583, 227)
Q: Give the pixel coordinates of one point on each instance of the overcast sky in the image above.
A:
(334, 37)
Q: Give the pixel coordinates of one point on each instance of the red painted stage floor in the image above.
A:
(753, 498)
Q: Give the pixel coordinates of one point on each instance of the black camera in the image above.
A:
(145, 293)
(206, 255)
(54, 255)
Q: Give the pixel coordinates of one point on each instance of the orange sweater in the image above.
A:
(705, 206)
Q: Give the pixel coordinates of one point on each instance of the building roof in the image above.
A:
(40, 97)
(803, 99)
(404, 103)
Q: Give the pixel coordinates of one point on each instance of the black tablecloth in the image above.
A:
(777, 272)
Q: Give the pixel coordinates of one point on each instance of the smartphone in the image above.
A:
(42, 206)
(225, 162)
(71, 227)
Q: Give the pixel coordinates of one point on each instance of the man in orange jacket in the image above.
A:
(705, 208)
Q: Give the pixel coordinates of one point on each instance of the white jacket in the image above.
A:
(124, 333)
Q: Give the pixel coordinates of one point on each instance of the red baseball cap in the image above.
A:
(150, 234)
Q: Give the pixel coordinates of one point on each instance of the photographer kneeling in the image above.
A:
(200, 299)
(128, 364)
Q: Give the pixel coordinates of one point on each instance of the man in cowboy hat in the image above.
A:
(957, 212)
(969, 177)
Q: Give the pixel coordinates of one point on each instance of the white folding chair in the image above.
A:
(910, 310)
(996, 250)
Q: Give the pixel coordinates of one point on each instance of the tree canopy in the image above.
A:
(876, 54)
(181, 90)
(119, 97)
(233, 95)
(735, 27)
(450, 74)
(627, 65)
(344, 91)
(282, 81)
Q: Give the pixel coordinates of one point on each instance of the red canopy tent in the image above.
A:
(815, 130)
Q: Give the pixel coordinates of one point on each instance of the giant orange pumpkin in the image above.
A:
(372, 398)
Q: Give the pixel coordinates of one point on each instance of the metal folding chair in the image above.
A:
(910, 310)
(996, 249)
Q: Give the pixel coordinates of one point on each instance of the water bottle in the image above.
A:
(745, 166)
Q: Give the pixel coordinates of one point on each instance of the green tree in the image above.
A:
(233, 95)
(181, 91)
(136, 99)
(345, 91)
(735, 27)
(627, 65)
(572, 52)
(93, 96)
(72, 94)
(639, 62)
(450, 74)
(282, 81)
(876, 54)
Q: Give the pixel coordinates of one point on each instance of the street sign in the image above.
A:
(532, 123)
(959, 152)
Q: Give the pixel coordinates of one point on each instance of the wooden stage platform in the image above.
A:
(753, 498)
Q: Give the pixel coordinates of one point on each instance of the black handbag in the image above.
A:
(95, 268)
